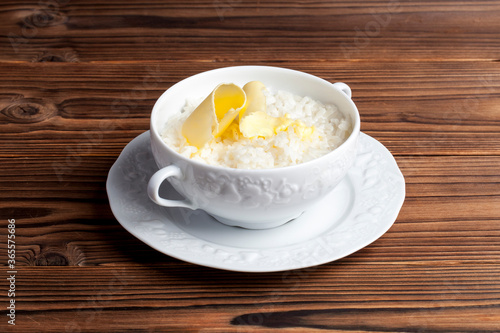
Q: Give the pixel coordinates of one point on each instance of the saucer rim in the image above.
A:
(229, 267)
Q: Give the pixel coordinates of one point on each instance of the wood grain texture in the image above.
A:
(79, 80)
(249, 30)
(339, 296)
(424, 108)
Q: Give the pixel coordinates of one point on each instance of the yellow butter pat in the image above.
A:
(254, 120)
(217, 111)
(261, 124)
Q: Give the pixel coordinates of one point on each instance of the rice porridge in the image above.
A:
(314, 130)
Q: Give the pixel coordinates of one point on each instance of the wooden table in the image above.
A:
(79, 79)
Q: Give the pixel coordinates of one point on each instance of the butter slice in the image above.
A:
(256, 98)
(254, 120)
(261, 124)
(217, 111)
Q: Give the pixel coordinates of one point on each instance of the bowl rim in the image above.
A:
(353, 136)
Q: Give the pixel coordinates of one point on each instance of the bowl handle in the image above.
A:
(344, 88)
(154, 187)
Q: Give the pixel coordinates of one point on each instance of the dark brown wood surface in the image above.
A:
(80, 77)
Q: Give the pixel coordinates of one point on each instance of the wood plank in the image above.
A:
(84, 179)
(248, 31)
(413, 108)
(190, 298)
(72, 205)
(83, 232)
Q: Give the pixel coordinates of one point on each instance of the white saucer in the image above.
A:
(368, 201)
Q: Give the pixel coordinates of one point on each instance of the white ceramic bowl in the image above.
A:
(254, 199)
